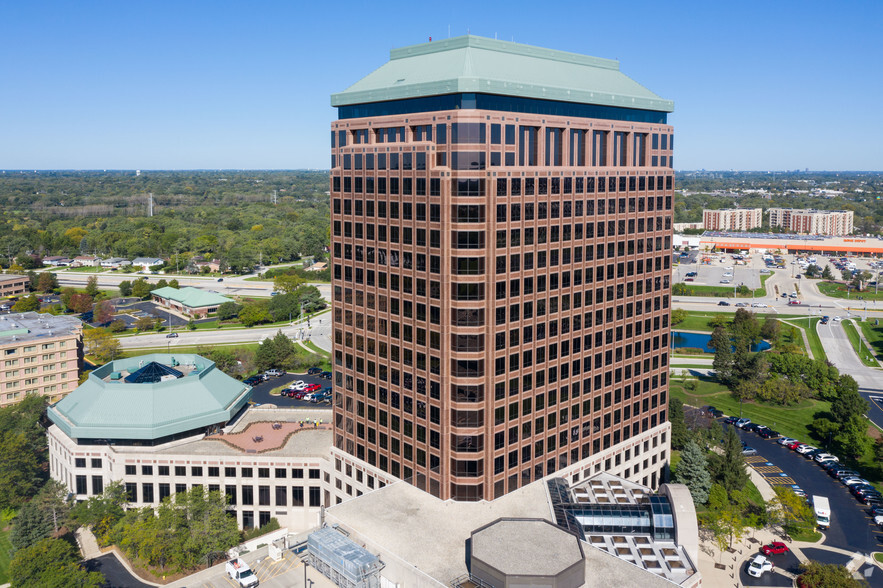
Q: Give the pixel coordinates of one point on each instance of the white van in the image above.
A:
(822, 508)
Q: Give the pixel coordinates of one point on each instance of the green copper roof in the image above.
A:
(115, 409)
(480, 65)
(191, 297)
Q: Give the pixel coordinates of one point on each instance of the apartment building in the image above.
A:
(41, 354)
(813, 222)
(501, 238)
(14, 285)
(732, 219)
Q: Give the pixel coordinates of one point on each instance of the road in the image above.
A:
(319, 333)
(231, 286)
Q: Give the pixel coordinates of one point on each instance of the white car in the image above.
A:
(786, 441)
(805, 449)
(741, 423)
(822, 457)
(879, 520)
(758, 305)
(836, 319)
(758, 565)
(854, 481)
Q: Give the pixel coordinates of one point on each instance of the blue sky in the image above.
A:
(192, 84)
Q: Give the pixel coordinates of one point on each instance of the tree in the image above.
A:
(66, 295)
(174, 284)
(848, 404)
(141, 288)
(692, 471)
(274, 352)
(254, 314)
(117, 326)
(144, 323)
(723, 353)
(791, 512)
(678, 315)
(814, 574)
(813, 271)
(125, 288)
(80, 303)
(92, 286)
(771, 329)
(853, 437)
(44, 514)
(102, 512)
(162, 283)
(101, 344)
(20, 474)
(732, 473)
(47, 282)
(679, 433)
(26, 304)
(826, 273)
(287, 283)
(229, 310)
(103, 312)
(51, 562)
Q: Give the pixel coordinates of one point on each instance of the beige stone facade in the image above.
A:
(40, 354)
(13, 285)
(813, 222)
(732, 219)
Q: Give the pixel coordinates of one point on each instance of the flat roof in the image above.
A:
(23, 327)
(191, 297)
(11, 277)
(850, 244)
(472, 64)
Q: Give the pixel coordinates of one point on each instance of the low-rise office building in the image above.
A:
(14, 285)
(190, 301)
(41, 354)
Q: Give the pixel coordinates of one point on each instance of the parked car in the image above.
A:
(854, 481)
(803, 449)
(758, 565)
(794, 445)
(253, 380)
(749, 450)
(275, 373)
(786, 441)
(879, 520)
(768, 433)
(845, 474)
(326, 375)
(799, 491)
(740, 423)
(775, 548)
(312, 387)
(876, 510)
(820, 457)
(730, 420)
(314, 370)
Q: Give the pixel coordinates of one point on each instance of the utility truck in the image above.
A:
(240, 573)
(823, 511)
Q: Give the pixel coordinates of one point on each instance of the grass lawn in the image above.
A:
(874, 334)
(181, 349)
(86, 269)
(5, 548)
(791, 421)
(879, 557)
(809, 536)
(859, 345)
(839, 290)
(815, 344)
(317, 349)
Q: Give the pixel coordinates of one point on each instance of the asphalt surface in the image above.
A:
(260, 394)
(852, 527)
(115, 574)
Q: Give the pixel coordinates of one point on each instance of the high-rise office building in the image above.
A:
(501, 242)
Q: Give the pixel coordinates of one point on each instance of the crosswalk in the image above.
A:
(770, 472)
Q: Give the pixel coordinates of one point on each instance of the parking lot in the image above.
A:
(714, 274)
(285, 573)
(260, 394)
(852, 526)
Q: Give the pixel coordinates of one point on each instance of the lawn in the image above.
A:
(724, 291)
(815, 344)
(858, 345)
(791, 421)
(874, 334)
(182, 349)
(86, 269)
(839, 290)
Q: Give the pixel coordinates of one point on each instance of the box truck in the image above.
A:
(823, 511)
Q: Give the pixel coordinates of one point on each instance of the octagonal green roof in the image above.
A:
(482, 65)
(106, 406)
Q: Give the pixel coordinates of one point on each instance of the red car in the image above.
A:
(775, 548)
(312, 387)
(794, 445)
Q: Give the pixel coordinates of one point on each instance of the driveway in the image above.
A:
(116, 575)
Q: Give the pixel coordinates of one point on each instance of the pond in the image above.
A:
(701, 340)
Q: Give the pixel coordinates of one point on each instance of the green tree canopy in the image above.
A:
(692, 471)
(51, 563)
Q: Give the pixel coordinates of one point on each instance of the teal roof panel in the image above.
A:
(103, 408)
(191, 297)
(479, 65)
